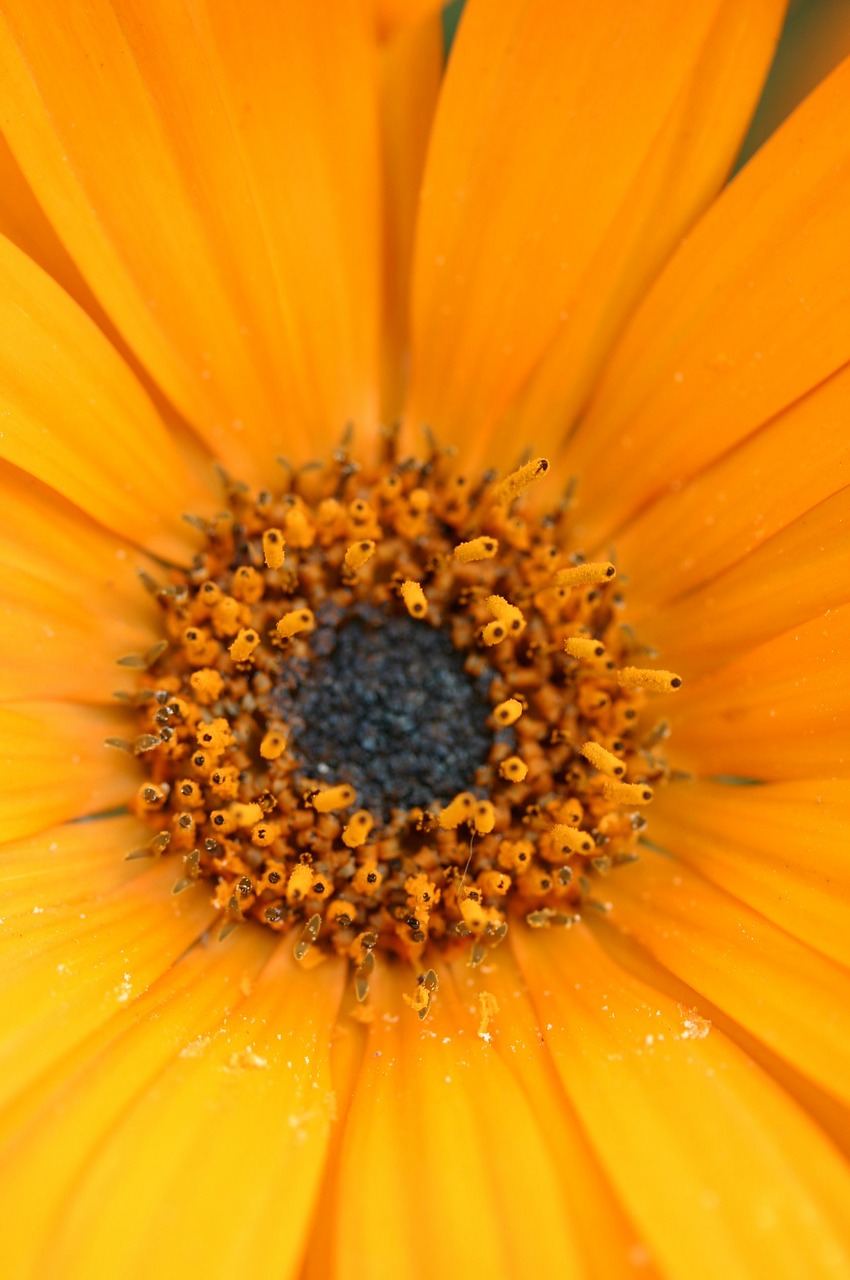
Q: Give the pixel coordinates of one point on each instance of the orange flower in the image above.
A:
(231, 231)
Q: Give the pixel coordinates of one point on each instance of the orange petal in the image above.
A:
(67, 970)
(220, 1162)
(74, 415)
(695, 532)
(70, 863)
(72, 602)
(815, 39)
(700, 1143)
(392, 16)
(724, 341)
(411, 69)
(779, 847)
(55, 766)
(443, 1154)
(609, 1244)
(513, 236)
(779, 989)
(252, 306)
(779, 711)
(51, 1131)
(797, 574)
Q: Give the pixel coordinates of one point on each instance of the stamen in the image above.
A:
(394, 637)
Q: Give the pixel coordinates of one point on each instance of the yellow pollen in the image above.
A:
(585, 575)
(273, 744)
(207, 685)
(626, 792)
(356, 833)
(513, 768)
(507, 712)
(584, 649)
(570, 840)
(414, 599)
(603, 760)
(645, 678)
(244, 645)
(476, 549)
(358, 554)
(334, 798)
(294, 623)
(274, 549)
(460, 810)
(518, 481)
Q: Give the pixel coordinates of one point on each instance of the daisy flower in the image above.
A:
(429, 857)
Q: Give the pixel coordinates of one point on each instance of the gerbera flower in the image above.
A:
(230, 234)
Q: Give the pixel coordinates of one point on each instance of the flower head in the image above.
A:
(397, 725)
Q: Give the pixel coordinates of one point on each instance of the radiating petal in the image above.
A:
(48, 1135)
(790, 578)
(75, 417)
(220, 1162)
(70, 863)
(693, 533)
(54, 765)
(724, 340)
(66, 969)
(782, 991)
(779, 711)
(71, 600)
(782, 848)
(411, 70)
(254, 309)
(507, 249)
(443, 1155)
(701, 1144)
(609, 1243)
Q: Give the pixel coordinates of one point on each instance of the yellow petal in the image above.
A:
(50, 1131)
(252, 307)
(75, 417)
(693, 533)
(700, 1143)
(221, 1161)
(513, 236)
(411, 70)
(796, 575)
(608, 1241)
(724, 340)
(68, 968)
(54, 765)
(777, 988)
(443, 1154)
(779, 847)
(779, 711)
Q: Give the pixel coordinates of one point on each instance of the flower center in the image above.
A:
(394, 713)
(386, 706)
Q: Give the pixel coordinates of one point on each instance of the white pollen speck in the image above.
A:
(51, 848)
(38, 911)
(447, 1039)
(447, 1079)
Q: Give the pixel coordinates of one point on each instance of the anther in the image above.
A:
(295, 622)
(584, 649)
(645, 678)
(476, 549)
(570, 840)
(244, 645)
(626, 793)
(357, 830)
(514, 484)
(309, 934)
(358, 554)
(333, 798)
(508, 712)
(603, 760)
(274, 549)
(414, 599)
(585, 575)
(513, 768)
(273, 744)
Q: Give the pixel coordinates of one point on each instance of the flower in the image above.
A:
(228, 233)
